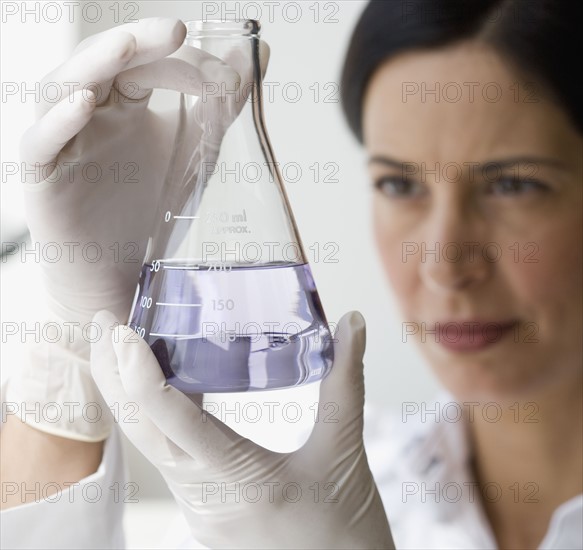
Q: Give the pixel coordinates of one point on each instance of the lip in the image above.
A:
(470, 335)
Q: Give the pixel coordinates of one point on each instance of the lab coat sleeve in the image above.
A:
(87, 514)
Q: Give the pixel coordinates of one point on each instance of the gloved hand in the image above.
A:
(100, 156)
(208, 466)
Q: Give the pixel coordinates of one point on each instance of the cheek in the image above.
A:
(547, 273)
(401, 274)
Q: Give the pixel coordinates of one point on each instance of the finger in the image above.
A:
(242, 61)
(189, 70)
(93, 67)
(220, 114)
(43, 141)
(341, 401)
(156, 37)
(200, 434)
(140, 430)
(264, 55)
(99, 58)
(217, 114)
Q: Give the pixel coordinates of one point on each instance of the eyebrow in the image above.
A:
(502, 163)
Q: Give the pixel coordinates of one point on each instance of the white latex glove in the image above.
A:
(197, 454)
(130, 145)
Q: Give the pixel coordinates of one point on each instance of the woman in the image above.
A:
(501, 166)
(478, 223)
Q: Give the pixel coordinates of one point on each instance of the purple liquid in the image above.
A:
(246, 329)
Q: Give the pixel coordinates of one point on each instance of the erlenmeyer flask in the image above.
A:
(226, 298)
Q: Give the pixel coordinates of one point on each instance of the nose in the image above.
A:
(455, 256)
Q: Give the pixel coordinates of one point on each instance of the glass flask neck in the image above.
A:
(236, 43)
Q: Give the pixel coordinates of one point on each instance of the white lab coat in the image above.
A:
(420, 468)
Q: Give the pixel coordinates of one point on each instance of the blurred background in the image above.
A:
(327, 185)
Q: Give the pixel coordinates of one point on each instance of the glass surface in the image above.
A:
(226, 298)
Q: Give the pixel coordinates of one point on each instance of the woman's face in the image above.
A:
(478, 219)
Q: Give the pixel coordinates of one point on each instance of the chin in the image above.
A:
(500, 377)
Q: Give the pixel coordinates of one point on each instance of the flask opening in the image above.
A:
(225, 28)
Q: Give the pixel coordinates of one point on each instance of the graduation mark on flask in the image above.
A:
(168, 216)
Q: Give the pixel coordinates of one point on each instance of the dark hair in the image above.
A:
(540, 37)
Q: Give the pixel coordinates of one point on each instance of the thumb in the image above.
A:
(340, 409)
(264, 55)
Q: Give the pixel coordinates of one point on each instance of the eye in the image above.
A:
(509, 185)
(397, 187)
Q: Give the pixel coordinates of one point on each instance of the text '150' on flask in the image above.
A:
(226, 298)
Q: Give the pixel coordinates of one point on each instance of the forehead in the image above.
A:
(459, 103)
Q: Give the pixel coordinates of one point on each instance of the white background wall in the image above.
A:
(306, 53)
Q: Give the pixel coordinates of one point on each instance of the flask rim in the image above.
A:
(197, 28)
